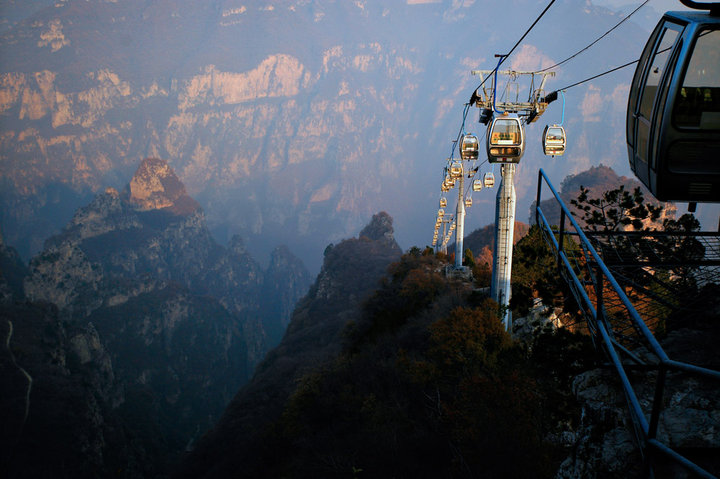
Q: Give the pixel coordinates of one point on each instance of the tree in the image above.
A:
(657, 269)
(616, 209)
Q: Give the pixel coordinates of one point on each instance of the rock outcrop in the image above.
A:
(604, 444)
(155, 186)
(12, 273)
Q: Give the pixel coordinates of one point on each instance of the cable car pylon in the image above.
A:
(505, 142)
(500, 288)
(460, 219)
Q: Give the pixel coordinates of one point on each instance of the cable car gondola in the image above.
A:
(456, 170)
(443, 202)
(489, 180)
(477, 185)
(505, 139)
(554, 140)
(468, 201)
(673, 115)
(469, 147)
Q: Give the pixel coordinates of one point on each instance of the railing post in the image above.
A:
(654, 418)
(657, 401)
(561, 233)
(603, 335)
(599, 300)
(537, 198)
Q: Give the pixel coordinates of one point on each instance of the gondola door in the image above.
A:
(651, 79)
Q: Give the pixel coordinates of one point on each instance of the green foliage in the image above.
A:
(429, 384)
(468, 259)
(557, 357)
(460, 402)
(414, 251)
(469, 339)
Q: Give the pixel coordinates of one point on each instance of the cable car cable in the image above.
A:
(472, 98)
(597, 40)
(528, 30)
(553, 96)
(466, 109)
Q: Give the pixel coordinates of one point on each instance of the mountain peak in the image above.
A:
(156, 186)
(379, 227)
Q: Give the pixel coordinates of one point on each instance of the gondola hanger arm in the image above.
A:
(714, 7)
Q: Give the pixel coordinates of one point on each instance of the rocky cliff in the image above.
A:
(58, 386)
(161, 322)
(289, 123)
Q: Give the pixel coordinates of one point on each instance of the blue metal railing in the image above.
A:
(591, 271)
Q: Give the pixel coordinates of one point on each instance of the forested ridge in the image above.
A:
(429, 384)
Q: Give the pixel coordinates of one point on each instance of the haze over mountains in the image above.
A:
(155, 153)
(289, 122)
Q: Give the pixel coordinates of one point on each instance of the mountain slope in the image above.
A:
(423, 382)
(350, 273)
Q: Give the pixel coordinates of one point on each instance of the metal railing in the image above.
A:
(618, 331)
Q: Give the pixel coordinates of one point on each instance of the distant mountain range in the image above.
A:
(289, 123)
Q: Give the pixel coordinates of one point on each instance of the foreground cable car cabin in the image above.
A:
(673, 116)
(469, 147)
(505, 139)
(554, 140)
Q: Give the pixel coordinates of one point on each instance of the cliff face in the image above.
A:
(287, 122)
(351, 271)
(12, 273)
(176, 321)
(286, 282)
(123, 245)
(58, 383)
